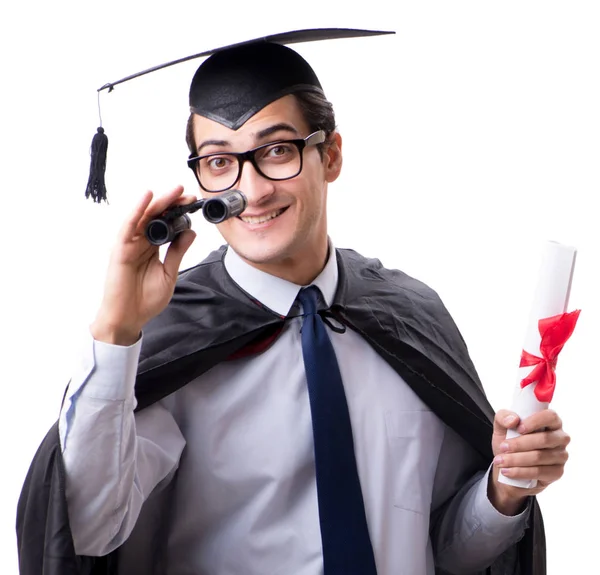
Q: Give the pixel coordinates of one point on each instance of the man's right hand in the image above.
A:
(138, 285)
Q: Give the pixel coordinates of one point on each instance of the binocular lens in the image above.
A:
(161, 231)
(225, 206)
(214, 211)
(157, 232)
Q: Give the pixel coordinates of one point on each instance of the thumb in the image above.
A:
(504, 420)
(176, 252)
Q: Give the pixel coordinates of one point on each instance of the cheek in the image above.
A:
(227, 229)
(311, 189)
(311, 211)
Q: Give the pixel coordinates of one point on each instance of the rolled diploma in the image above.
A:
(551, 298)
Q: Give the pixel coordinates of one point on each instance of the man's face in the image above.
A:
(285, 221)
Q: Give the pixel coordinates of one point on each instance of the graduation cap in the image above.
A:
(234, 83)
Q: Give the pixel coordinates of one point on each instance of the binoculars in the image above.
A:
(175, 220)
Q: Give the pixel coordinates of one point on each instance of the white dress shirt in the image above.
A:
(238, 441)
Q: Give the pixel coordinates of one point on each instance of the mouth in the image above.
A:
(262, 218)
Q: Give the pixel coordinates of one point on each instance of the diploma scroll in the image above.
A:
(548, 312)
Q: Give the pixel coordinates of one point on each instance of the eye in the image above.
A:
(279, 151)
(217, 163)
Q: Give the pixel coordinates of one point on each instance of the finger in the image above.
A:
(545, 419)
(535, 441)
(185, 199)
(130, 226)
(544, 473)
(159, 205)
(503, 420)
(176, 251)
(556, 456)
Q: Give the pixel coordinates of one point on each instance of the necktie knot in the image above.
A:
(309, 298)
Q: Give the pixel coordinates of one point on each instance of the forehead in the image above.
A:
(286, 110)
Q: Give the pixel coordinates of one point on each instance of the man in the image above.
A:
(244, 446)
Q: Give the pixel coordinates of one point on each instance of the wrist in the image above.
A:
(115, 335)
(503, 500)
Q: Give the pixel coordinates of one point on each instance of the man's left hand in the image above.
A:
(539, 453)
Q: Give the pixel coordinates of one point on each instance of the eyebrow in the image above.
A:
(282, 126)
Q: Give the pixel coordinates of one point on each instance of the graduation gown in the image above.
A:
(210, 319)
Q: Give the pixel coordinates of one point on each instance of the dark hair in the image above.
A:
(316, 110)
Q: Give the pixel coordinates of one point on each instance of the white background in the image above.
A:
(471, 137)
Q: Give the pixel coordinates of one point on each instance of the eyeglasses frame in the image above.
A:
(313, 139)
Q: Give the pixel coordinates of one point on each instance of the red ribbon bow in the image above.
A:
(555, 332)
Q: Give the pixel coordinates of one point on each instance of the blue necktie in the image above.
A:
(344, 533)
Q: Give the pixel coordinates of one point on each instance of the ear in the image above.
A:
(333, 158)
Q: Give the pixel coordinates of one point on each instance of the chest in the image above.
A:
(249, 419)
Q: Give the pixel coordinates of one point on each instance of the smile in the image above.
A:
(263, 218)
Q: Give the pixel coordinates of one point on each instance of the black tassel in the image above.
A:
(96, 186)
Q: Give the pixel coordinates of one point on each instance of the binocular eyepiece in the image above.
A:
(175, 220)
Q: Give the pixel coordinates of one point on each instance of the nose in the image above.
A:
(255, 187)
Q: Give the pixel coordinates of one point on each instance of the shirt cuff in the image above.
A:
(491, 520)
(115, 370)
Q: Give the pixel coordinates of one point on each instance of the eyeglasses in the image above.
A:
(281, 160)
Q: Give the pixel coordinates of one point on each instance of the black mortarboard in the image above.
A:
(235, 83)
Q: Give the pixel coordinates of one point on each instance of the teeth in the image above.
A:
(261, 219)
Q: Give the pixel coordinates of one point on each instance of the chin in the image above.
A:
(266, 253)
(262, 256)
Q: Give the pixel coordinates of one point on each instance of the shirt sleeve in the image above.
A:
(468, 533)
(113, 458)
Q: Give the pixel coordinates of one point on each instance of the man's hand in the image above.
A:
(540, 453)
(138, 285)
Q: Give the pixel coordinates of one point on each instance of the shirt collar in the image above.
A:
(275, 293)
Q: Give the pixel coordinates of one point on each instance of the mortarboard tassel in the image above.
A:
(96, 186)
